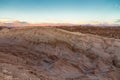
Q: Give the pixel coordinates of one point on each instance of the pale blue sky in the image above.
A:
(61, 11)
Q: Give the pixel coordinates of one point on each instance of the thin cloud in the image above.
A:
(117, 21)
(6, 19)
(117, 6)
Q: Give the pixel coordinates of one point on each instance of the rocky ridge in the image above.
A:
(43, 53)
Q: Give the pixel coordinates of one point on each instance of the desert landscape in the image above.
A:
(59, 39)
(60, 53)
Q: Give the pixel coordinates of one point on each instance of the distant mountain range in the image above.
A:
(22, 24)
(14, 24)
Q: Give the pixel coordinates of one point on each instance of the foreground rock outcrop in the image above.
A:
(42, 53)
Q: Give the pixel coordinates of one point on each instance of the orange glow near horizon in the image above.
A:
(14, 22)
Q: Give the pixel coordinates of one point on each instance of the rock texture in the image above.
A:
(43, 53)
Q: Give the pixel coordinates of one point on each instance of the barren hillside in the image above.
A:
(42, 53)
(110, 32)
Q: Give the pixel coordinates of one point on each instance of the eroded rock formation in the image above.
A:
(42, 53)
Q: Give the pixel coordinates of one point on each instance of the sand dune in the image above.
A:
(43, 53)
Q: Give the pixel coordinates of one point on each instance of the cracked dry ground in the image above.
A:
(42, 53)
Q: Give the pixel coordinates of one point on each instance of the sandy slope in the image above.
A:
(39, 53)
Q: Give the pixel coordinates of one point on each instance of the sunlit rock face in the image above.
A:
(42, 53)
